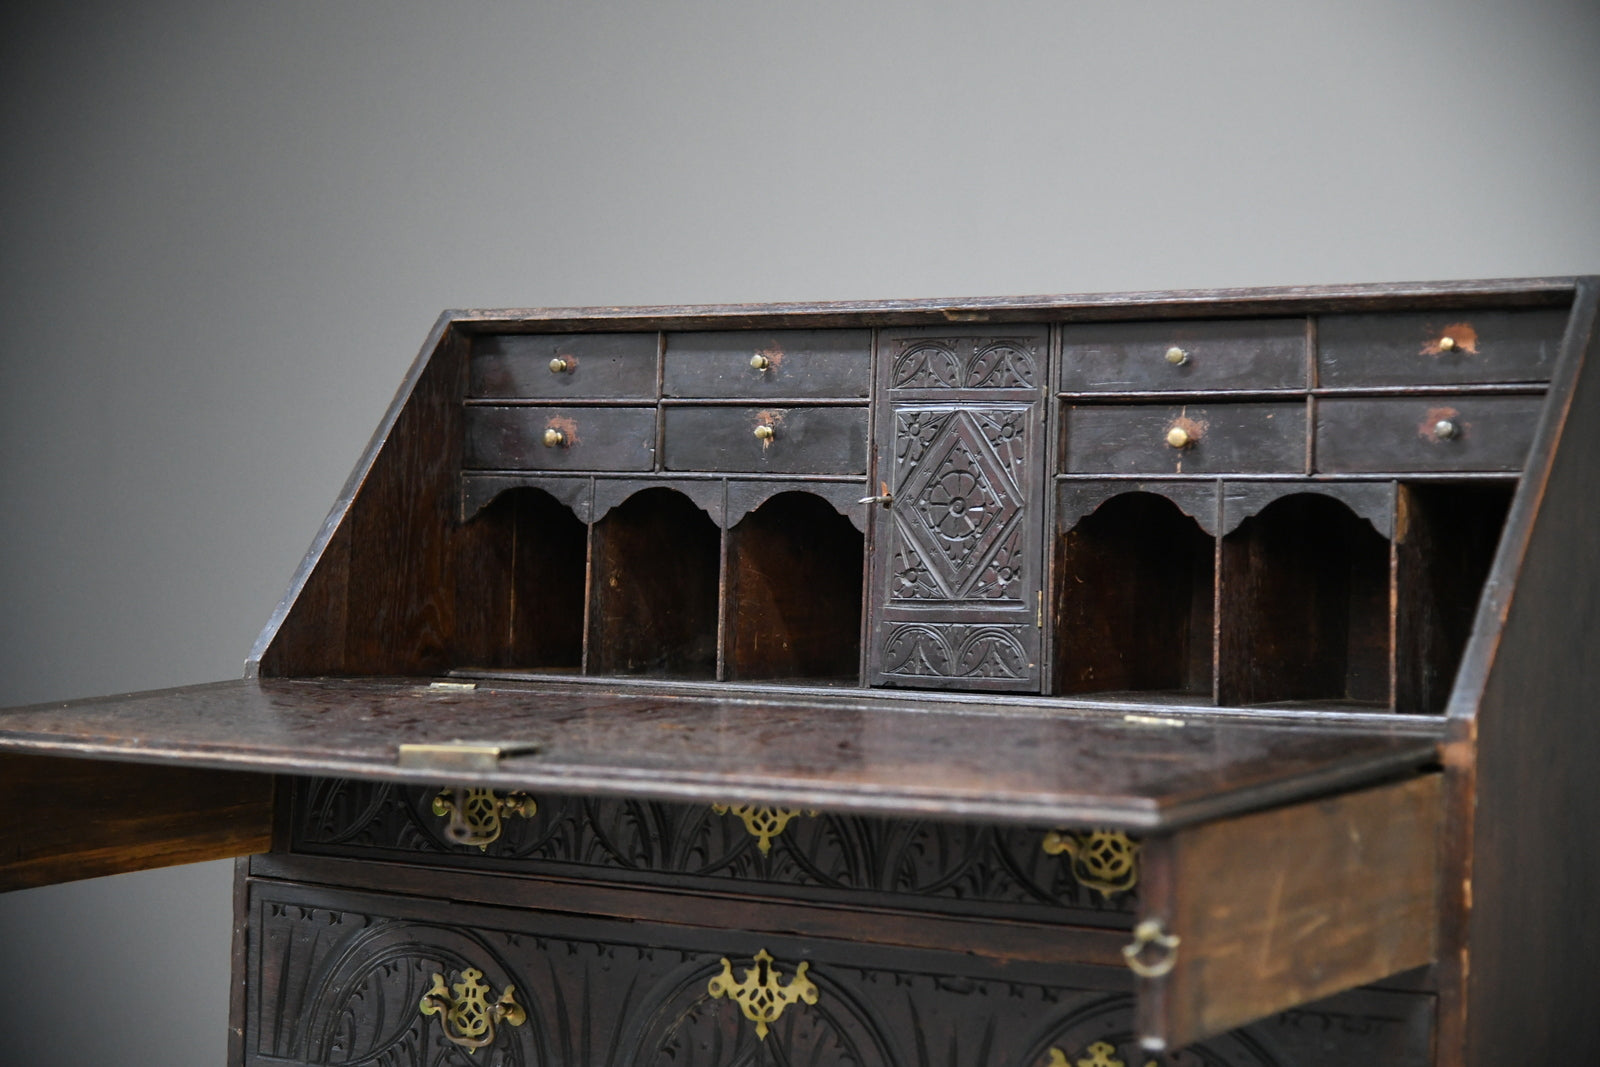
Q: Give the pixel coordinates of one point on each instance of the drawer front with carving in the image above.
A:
(768, 363)
(359, 978)
(783, 440)
(1436, 433)
(566, 438)
(575, 366)
(1137, 357)
(1245, 438)
(1012, 872)
(1438, 348)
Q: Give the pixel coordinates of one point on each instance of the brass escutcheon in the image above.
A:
(466, 1016)
(1100, 1054)
(763, 994)
(1106, 861)
(479, 816)
(762, 823)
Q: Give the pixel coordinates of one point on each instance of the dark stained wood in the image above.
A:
(1397, 434)
(636, 992)
(805, 440)
(65, 819)
(1303, 606)
(653, 594)
(886, 920)
(520, 590)
(594, 365)
(798, 363)
(1407, 349)
(591, 438)
(1281, 907)
(845, 752)
(1554, 292)
(1132, 357)
(1444, 546)
(1133, 609)
(1223, 438)
(794, 592)
(1525, 708)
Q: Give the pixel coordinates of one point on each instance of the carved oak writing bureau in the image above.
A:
(1191, 678)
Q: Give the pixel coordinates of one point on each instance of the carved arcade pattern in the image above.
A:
(333, 986)
(965, 363)
(950, 650)
(693, 846)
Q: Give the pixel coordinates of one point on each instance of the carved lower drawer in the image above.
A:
(352, 978)
(1019, 872)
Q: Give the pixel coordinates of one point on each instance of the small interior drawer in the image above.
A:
(768, 363)
(786, 440)
(560, 438)
(547, 366)
(1438, 348)
(1435, 433)
(1236, 438)
(1252, 915)
(1182, 356)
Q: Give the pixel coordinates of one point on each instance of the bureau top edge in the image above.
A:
(1097, 307)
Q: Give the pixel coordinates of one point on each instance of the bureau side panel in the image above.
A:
(1531, 981)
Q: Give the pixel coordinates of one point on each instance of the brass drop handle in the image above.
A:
(466, 1015)
(765, 433)
(554, 438)
(477, 816)
(1178, 437)
(760, 362)
(1177, 356)
(1147, 934)
(1446, 429)
(560, 365)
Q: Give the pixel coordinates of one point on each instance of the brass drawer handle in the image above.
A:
(1177, 356)
(1178, 437)
(561, 365)
(1446, 429)
(1151, 933)
(763, 994)
(479, 815)
(1106, 861)
(554, 438)
(765, 433)
(1100, 1054)
(759, 362)
(466, 1017)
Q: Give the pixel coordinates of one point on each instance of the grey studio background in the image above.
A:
(227, 228)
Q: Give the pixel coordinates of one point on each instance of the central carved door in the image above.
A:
(957, 554)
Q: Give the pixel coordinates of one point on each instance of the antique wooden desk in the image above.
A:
(1183, 677)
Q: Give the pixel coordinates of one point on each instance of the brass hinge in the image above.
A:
(461, 755)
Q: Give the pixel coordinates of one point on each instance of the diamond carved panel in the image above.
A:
(959, 475)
